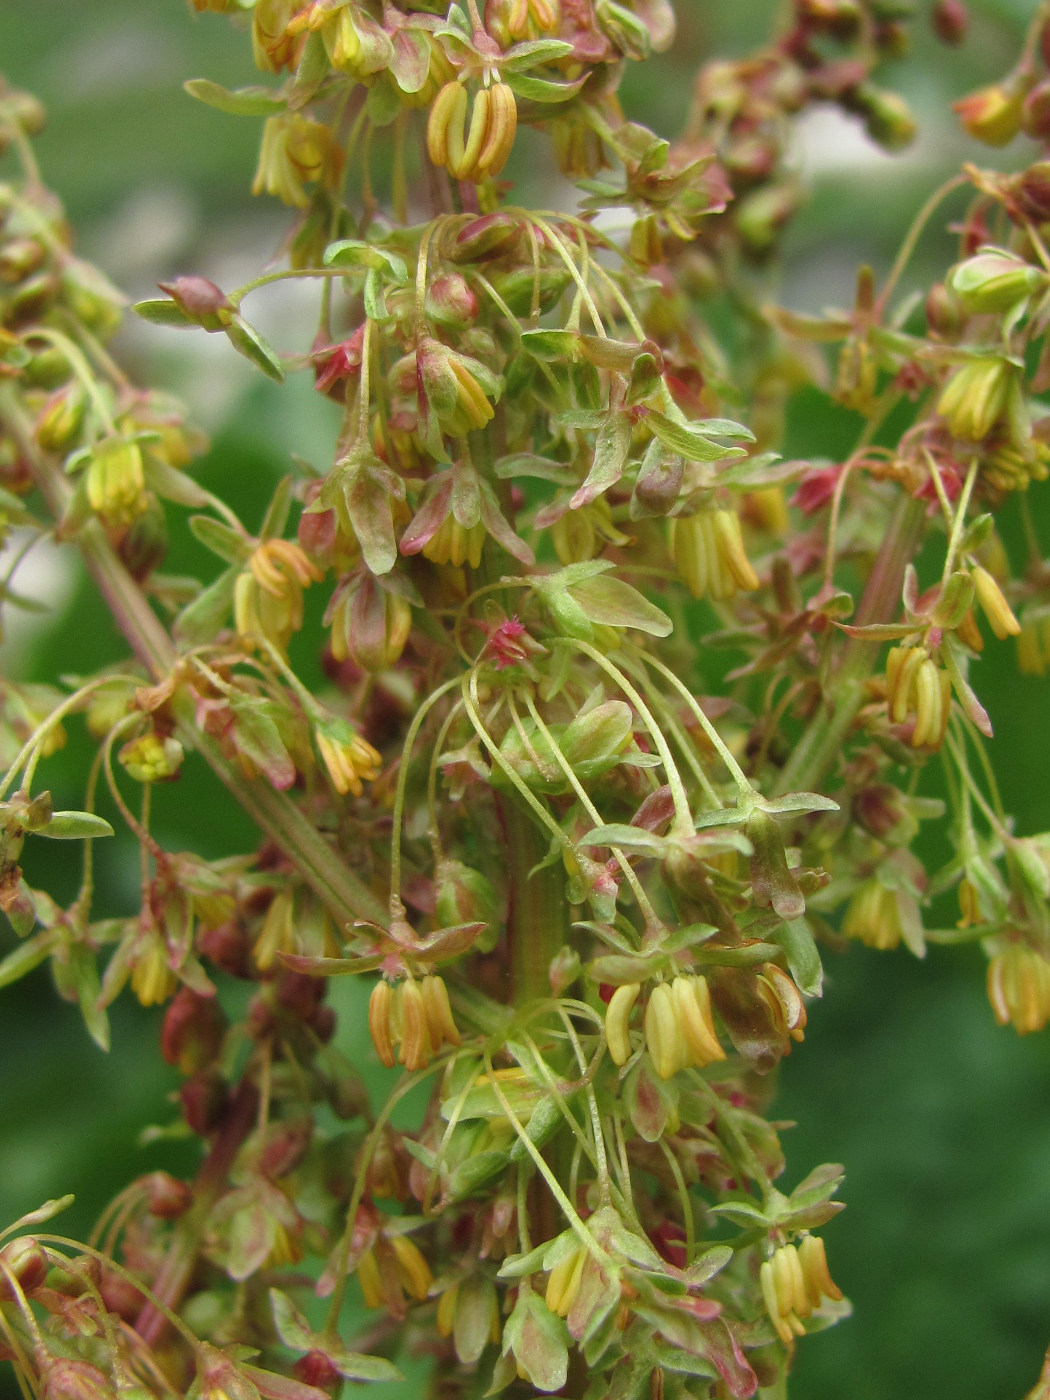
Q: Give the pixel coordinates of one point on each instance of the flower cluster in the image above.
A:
(589, 898)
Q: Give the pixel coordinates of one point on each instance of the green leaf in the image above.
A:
(539, 1341)
(247, 341)
(258, 739)
(221, 539)
(200, 620)
(691, 440)
(292, 1328)
(540, 90)
(27, 956)
(174, 485)
(611, 601)
(75, 826)
(531, 52)
(352, 252)
(795, 937)
(162, 311)
(239, 102)
(277, 512)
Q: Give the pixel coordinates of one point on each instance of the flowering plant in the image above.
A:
(585, 871)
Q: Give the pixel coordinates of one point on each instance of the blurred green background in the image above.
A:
(941, 1118)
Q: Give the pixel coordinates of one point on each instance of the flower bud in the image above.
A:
(563, 1282)
(708, 550)
(992, 114)
(192, 1031)
(59, 423)
(273, 46)
(1019, 988)
(944, 314)
(201, 301)
(152, 758)
(1035, 112)
(887, 117)
(663, 1037)
(489, 236)
(873, 917)
(26, 1260)
(976, 396)
(19, 257)
(456, 387)
(450, 302)
(995, 281)
(144, 544)
(204, 1099)
(166, 1196)
(784, 1001)
(772, 882)
(950, 20)
(1031, 191)
(116, 485)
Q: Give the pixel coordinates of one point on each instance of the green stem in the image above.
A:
(822, 740)
(536, 923)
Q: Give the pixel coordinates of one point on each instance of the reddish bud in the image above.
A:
(880, 809)
(950, 20)
(229, 947)
(299, 994)
(26, 1260)
(944, 313)
(201, 301)
(317, 1370)
(192, 1032)
(66, 1379)
(285, 1146)
(485, 237)
(167, 1197)
(1031, 191)
(1035, 112)
(450, 301)
(203, 1101)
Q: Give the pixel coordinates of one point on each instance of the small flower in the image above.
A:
(563, 1283)
(977, 396)
(370, 624)
(784, 1000)
(152, 979)
(350, 759)
(873, 916)
(268, 595)
(708, 549)
(794, 1282)
(274, 46)
(295, 152)
(393, 1267)
(1011, 466)
(152, 758)
(679, 1029)
(1019, 988)
(116, 486)
(480, 150)
(916, 684)
(992, 114)
(416, 1016)
(456, 387)
(511, 20)
(1033, 645)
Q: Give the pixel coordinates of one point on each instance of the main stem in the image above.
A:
(822, 740)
